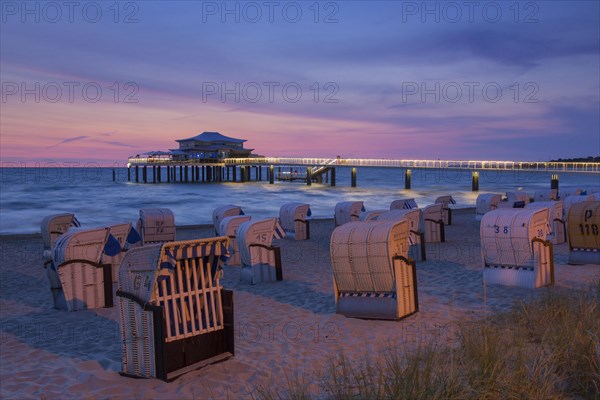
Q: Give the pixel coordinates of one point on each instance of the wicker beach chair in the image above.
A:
(486, 202)
(174, 315)
(156, 225)
(347, 211)
(52, 227)
(373, 277)
(570, 200)
(293, 219)
(261, 261)
(79, 280)
(558, 226)
(516, 200)
(228, 228)
(583, 222)
(545, 195)
(433, 222)
(403, 204)
(445, 201)
(514, 247)
(228, 210)
(371, 215)
(416, 237)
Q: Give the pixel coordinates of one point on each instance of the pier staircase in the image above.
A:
(317, 172)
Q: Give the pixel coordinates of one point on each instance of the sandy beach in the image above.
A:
(281, 328)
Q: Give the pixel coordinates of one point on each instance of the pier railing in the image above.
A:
(540, 166)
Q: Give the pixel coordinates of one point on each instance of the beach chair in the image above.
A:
(558, 226)
(403, 204)
(156, 225)
(292, 217)
(175, 316)
(486, 202)
(372, 275)
(416, 237)
(574, 199)
(516, 200)
(545, 195)
(445, 201)
(514, 247)
(433, 223)
(228, 210)
(128, 238)
(583, 222)
(370, 215)
(347, 211)
(228, 228)
(261, 261)
(79, 279)
(52, 227)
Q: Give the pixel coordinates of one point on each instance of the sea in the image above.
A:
(27, 195)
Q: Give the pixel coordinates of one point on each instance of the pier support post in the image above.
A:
(234, 173)
(114, 176)
(242, 174)
(181, 173)
(407, 176)
(554, 182)
(145, 173)
(137, 173)
(353, 177)
(308, 176)
(332, 180)
(260, 172)
(169, 173)
(154, 174)
(475, 181)
(159, 173)
(271, 174)
(209, 174)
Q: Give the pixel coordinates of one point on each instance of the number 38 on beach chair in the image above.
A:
(373, 277)
(175, 316)
(261, 261)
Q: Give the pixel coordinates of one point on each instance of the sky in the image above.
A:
(96, 82)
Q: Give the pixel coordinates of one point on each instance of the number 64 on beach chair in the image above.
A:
(175, 316)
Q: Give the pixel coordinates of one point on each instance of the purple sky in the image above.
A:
(392, 79)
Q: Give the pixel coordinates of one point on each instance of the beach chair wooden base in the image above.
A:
(148, 355)
(580, 257)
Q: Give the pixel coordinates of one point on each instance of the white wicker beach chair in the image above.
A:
(175, 316)
(403, 204)
(558, 234)
(445, 201)
(569, 201)
(516, 200)
(583, 222)
(52, 227)
(228, 210)
(372, 275)
(347, 211)
(228, 228)
(416, 237)
(486, 202)
(293, 219)
(79, 280)
(514, 247)
(370, 215)
(261, 261)
(433, 222)
(156, 225)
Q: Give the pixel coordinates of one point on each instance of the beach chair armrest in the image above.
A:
(145, 306)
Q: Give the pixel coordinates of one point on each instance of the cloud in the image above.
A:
(69, 140)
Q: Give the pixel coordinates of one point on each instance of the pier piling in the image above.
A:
(271, 174)
(554, 182)
(332, 180)
(407, 176)
(308, 176)
(353, 177)
(475, 181)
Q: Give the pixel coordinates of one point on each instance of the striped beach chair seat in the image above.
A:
(174, 314)
(347, 211)
(583, 222)
(373, 276)
(514, 247)
(78, 277)
(445, 201)
(156, 225)
(293, 220)
(228, 228)
(261, 260)
(403, 204)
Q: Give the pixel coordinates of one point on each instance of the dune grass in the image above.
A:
(545, 349)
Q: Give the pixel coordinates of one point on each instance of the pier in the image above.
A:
(323, 170)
